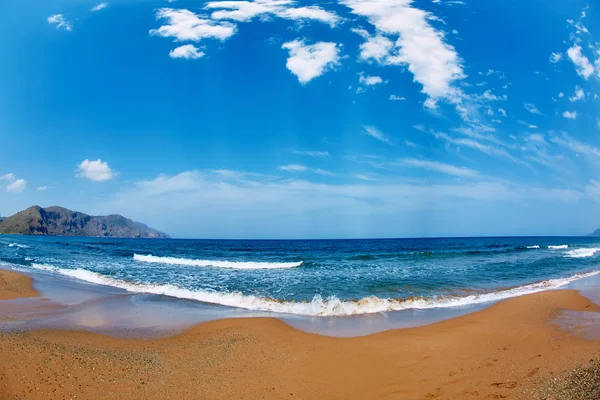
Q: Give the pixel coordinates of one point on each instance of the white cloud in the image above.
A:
(222, 207)
(308, 61)
(185, 25)
(95, 170)
(369, 80)
(60, 21)
(42, 188)
(461, 172)
(376, 134)
(476, 145)
(7, 177)
(99, 6)
(244, 11)
(570, 114)
(365, 177)
(293, 168)
(555, 57)
(187, 51)
(405, 38)
(578, 26)
(311, 153)
(530, 126)
(303, 168)
(576, 146)
(376, 47)
(579, 94)
(582, 63)
(561, 95)
(16, 186)
(394, 97)
(502, 111)
(532, 108)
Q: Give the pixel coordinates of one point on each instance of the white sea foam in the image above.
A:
(20, 246)
(331, 306)
(559, 247)
(214, 263)
(533, 247)
(582, 253)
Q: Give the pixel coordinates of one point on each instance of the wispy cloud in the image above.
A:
(376, 134)
(570, 114)
(7, 177)
(99, 6)
(365, 177)
(60, 21)
(576, 146)
(394, 97)
(527, 124)
(555, 57)
(461, 172)
(16, 186)
(311, 153)
(42, 188)
(303, 168)
(532, 108)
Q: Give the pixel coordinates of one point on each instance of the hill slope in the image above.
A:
(59, 221)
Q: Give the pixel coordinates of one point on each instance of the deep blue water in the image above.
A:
(315, 277)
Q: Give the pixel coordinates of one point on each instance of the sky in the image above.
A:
(284, 119)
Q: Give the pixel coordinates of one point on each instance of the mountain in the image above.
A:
(59, 221)
(596, 233)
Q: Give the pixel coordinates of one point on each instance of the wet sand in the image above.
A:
(509, 350)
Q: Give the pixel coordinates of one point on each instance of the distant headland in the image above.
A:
(59, 221)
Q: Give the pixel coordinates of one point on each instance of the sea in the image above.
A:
(312, 279)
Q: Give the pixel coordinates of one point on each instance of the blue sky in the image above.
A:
(282, 119)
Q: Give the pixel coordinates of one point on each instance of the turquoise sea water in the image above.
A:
(316, 278)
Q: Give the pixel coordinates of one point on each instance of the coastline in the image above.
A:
(507, 350)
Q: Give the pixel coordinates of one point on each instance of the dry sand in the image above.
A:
(506, 351)
(14, 285)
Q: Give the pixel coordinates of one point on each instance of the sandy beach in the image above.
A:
(509, 350)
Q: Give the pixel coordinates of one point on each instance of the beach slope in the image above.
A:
(509, 350)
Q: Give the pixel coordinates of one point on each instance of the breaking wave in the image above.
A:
(20, 246)
(582, 253)
(331, 306)
(559, 247)
(214, 263)
(533, 247)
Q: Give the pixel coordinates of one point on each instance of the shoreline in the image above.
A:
(507, 350)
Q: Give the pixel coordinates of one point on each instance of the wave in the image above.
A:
(559, 247)
(318, 307)
(582, 253)
(20, 246)
(214, 263)
(533, 247)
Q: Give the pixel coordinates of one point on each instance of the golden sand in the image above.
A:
(503, 352)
